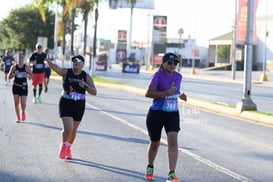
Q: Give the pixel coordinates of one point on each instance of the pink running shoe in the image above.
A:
(62, 151)
(24, 116)
(18, 119)
(68, 153)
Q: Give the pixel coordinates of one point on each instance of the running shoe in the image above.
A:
(39, 99)
(149, 173)
(172, 177)
(18, 119)
(62, 151)
(24, 116)
(34, 100)
(68, 153)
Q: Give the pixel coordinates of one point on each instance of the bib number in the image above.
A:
(76, 96)
(170, 104)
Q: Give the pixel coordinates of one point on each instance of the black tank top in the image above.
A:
(71, 82)
(20, 77)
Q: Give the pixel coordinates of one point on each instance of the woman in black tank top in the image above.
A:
(76, 82)
(20, 72)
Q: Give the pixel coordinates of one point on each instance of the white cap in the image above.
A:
(38, 45)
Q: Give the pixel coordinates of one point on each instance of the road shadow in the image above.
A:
(112, 169)
(102, 135)
(117, 112)
(130, 97)
(113, 137)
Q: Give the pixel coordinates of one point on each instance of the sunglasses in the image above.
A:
(172, 63)
(76, 60)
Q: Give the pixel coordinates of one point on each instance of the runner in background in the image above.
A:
(36, 60)
(8, 61)
(47, 68)
(20, 72)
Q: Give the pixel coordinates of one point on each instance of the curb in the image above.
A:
(203, 105)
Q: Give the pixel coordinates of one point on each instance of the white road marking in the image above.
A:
(194, 156)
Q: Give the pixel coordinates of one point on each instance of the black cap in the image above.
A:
(77, 59)
(170, 57)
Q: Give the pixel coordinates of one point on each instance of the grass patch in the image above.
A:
(264, 113)
(53, 73)
(222, 104)
(103, 80)
(258, 112)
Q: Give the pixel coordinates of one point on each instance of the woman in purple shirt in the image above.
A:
(164, 88)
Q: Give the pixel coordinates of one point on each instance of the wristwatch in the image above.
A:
(86, 86)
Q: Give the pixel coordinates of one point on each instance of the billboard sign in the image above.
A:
(142, 4)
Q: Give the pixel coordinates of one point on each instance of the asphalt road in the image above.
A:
(112, 140)
(212, 86)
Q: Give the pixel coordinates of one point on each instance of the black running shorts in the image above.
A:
(21, 90)
(71, 108)
(157, 119)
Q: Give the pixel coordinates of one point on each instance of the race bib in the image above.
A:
(39, 66)
(170, 103)
(76, 96)
(20, 74)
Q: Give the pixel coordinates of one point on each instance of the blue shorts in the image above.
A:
(157, 119)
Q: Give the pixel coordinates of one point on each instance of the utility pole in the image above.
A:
(234, 44)
(180, 33)
(94, 60)
(56, 31)
(129, 45)
(247, 103)
(263, 75)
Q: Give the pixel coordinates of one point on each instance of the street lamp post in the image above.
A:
(95, 43)
(263, 75)
(56, 31)
(247, 103)
(234, 44)
(193, 72)
(180, 33)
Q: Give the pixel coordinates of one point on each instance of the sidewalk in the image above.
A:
(223, 75)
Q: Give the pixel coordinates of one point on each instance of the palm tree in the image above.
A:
(42, 4)
(86, 7)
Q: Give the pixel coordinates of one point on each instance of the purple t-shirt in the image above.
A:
(162, 81)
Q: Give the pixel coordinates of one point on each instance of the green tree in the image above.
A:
(85, 6)
(224, 51)
(22, 27)
(69, 13)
